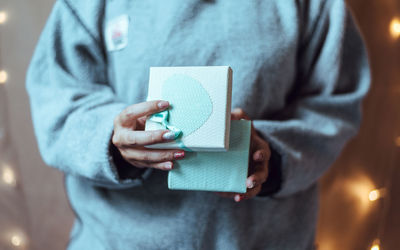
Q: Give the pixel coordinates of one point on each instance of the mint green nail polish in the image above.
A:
(169, 135)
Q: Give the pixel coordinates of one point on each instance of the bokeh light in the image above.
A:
(373, 195)
(17, 239)
(395, 28)
(360, 188)
(397, 141)
(8, 176)
(3, 17)
(376, 194)
(376, 245)
(3, 76)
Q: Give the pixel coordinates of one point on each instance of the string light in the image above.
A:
(3, 76)
(373, 195)
(376, 245)
(359, 188)
(3, 17)
(395, 28)
(18, 239)
(397, 141)
(376, 194)
(8, 176)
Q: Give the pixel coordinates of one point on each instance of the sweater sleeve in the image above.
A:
(73, 106)
(323, 110)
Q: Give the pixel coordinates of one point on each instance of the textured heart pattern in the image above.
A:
(191, 106)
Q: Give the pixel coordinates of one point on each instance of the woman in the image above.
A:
(300, 73)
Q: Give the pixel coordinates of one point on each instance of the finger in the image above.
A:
(135, 111)
(128, 138)
(250, 193)
(261, 155)
(238, 114)
(153, 156)
(259, 158)
(166, 166)
(259, 143)
(258, 177)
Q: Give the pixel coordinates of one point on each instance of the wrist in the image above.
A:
(274, 180)
(124, 169)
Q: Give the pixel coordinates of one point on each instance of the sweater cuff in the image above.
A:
(274, 180)
(124, 169)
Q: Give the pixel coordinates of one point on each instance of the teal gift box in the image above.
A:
(200, 106)
(216, 171)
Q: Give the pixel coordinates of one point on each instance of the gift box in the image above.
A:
(216, 171)
(200, 106)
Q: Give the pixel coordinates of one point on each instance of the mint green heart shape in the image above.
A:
(191, 105)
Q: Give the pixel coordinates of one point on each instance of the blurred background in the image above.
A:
(359, 205)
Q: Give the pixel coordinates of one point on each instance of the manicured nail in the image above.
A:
(179, 155)
(163, 104)
(169, 135)
(237, 198)
(250, 184)
(168, 165)
(260, 157)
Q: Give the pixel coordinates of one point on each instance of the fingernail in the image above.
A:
(179, 155)
(168, 165)
(237, 198)
(169, 135)
(163, 104)
(260, 157)
(250, 184)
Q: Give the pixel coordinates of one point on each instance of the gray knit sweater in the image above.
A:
(300, 72)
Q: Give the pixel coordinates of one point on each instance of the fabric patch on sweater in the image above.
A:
(117, 33)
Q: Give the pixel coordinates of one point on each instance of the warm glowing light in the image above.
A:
(359, 187)
(376, 245)
(8, 176)
(395, 28)
(326, 244)
(16, 240)
(3, 77)
(397, 141)
(3, 17)
(376, 194)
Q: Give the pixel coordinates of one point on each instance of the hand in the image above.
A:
(130, 138)
(258, 165)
